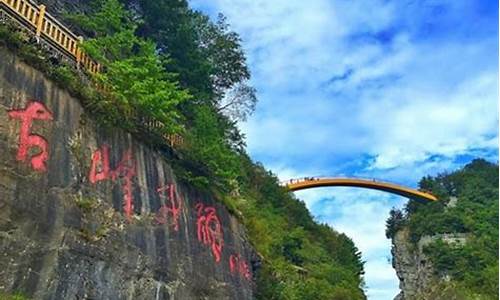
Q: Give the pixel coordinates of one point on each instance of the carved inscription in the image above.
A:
(126, 171)
(34, 111)
(209, 229)
(172, 208)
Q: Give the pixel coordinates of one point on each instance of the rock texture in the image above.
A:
(417, 278)
(73, 226)
(413, 269)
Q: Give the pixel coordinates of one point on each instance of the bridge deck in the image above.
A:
(296, 185)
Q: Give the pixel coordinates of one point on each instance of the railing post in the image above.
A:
(79, 52)
(39, 21)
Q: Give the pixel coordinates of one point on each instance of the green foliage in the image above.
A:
(134, 77)
(473, 266)
(302, 259)
(15, 39)
(209, 150)
(15, 296)
(207, 56)
(145, 51)
(222, 49)
(453, 290)
(62, 74)
(86, 204)
(21, 42)
(394, 223)
(170, 24)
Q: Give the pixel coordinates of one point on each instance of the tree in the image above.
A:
(170, 24)
(473, 264)
(239, 102)
(134, 76)
(229, 73)
(207, 56)
(209, 152)
(222, 48)
(394, 223)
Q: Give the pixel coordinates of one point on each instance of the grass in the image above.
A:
(15, 296)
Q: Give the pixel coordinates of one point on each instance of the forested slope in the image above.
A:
(166, 62)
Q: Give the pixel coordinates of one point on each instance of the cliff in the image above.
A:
(449, 249)
(90, 213)
(412, 267)
(418, 278)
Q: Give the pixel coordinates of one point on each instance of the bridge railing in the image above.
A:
(313, 178)
(35, 18)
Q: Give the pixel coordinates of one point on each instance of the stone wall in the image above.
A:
(88, 213)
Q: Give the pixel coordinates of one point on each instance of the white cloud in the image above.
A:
(381, 274)
(373, 88)
(433, 123)
(361, 215)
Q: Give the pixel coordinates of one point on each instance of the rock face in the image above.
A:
(417, 277)
(88, 213)
(413, 269)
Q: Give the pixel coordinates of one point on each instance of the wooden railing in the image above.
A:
(174, 140)
(47, 27)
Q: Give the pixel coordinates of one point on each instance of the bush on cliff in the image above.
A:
(473, 266)
(137, 85)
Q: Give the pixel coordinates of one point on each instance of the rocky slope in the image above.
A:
(88, 213)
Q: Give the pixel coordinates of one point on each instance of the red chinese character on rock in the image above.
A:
(33, 111)
(175, 206)
(238, 265)
(126, 169)
(209, 229)
(100, 159)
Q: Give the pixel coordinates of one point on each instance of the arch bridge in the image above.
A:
(315, 182)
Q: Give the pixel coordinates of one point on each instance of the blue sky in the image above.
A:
(392, 90)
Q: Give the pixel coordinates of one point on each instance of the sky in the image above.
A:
(392, 90)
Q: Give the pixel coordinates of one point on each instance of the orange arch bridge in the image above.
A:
(312, 182)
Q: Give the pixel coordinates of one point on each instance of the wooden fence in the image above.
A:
(46, 27)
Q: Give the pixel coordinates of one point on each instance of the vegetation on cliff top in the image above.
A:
(167, 62)
(204, 81)
(472, 267)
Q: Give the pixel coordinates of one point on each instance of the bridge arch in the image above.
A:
(315, 182)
